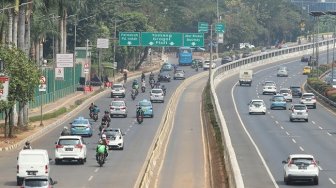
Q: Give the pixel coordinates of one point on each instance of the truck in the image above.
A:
(245, 77)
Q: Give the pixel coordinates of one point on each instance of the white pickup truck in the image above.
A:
(245, 77)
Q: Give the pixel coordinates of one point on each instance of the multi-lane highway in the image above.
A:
(122, 167)
(261, 142)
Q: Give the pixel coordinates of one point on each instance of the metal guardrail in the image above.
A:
(234, 176)
(320, 96)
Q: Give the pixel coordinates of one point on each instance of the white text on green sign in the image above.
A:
(161, 39)
(129, 39)
(193, 39)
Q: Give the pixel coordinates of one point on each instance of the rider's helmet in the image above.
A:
(106, 112)
(103, 136)
(27, 143)
(65, 128)
(101, 141)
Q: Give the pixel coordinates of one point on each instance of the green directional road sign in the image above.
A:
(193, 39)
(220, 28)
(129, 39)
(161, 39)
(203, 27)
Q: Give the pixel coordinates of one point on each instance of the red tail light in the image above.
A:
(314, 163)
(123, 108)
(46, 169)
(80, 146)
(17, 168)
(290, 163)
(59, 146)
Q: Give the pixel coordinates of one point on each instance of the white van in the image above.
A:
(32, 162)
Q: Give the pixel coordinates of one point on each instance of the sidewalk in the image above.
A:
(67, 102)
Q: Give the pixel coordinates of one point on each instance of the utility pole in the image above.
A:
(114, 43)
(74, 58)
(211, 38)
(217, 33)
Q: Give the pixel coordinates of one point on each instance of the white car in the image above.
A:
(206, 65)
(269, 87)
(287, 93)
(70, 148)
(115, 140)
(301, 167)
(118, 108)
(156, 95)
(257, 106)
(298, 112)
(308, 99)
(282, 72)
(118, 90)
(179, 74)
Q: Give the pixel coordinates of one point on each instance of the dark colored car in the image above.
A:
(164, 76)
(226, 59)
(247, 54)
(305, 58)
(296, 91)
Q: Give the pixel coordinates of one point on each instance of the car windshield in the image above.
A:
(80, 121)
(279, 98)
(307, 96)
(299, 107)
(302, 161)
(145, 103)
(269, 83)
(117, 86)
(156, 91)
(68, 142)
(179, 71)
(296, 89)
(36, 182)
(118, 103)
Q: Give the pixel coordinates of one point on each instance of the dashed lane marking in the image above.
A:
(90, 178)
(287, 133)
(301, 148)
(332, 181)
(276, 122)
(282, 127)
(293, 140)
(97, 169)
(320, 127)
(329, 133)
(313, 122)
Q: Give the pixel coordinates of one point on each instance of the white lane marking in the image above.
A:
(97, 169)
(282, 127)
(293, 140)
(205, 146)
(272, 116)
(276, 122)
(329, 133)
(320, 127)
(320, 167)
(313, 122)
(332, 181)
(269, 112)
(301, 148)
(90, 178)
(287, 133)
(252, 141)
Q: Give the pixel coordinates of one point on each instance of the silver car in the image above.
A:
(118, 108)
(298, 112)
(157, 95)
(287, 93)
(179, 74)
(118, 90)
(38, 181)
(282, 72)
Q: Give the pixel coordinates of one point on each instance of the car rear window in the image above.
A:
(117, 86)
(145, 103)
(36, 182)
(118, 103)
(81, 121)
(156, 91)
(68, 141)
(307, 96)
(302, 161)
(301, 107)
(279, 99)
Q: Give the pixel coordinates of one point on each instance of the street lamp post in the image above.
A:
(211, 38)
(43, 65)
(333, 61)
(317, 14)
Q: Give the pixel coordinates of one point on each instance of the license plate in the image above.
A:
(269, 87)
(308, 99)
(299, 113)
(117, 109)
(68, 149)
(157, 95)
(302, 167)
(32, 173)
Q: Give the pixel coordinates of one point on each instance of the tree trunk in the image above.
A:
(28, 24)
(26, 113)
(15, 28)
(65, 31)
(33, 51)
(21, 28)
(10, 131)
(61, 40)
(145, 54)
(41, 52)
(6, 124)
(10, 27)
(20, 118)
(57, 50)
(37, 52)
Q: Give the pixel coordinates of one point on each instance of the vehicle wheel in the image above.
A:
(286, 181)
(250, 113)
(57, 161)
(174, 78)
(19, 181)
(306, 120)
(81, 161)
(162, 101)
(125, 115)
(314, 106)
(263, 93)
(122, 148)
(271, 108)
(152, 116)
(111, 115)
(290, 119)
(264, 113)
(316, 181)
(124, 96)
(85, 160)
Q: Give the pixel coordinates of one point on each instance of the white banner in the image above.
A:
(102, 43)
(64, 60)
(59, 73)
(42, 87)
(220, 37)
(4, 83)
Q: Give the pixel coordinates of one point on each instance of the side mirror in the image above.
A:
(50, 159)
(289, 109)
(284, 162)
(55, 142)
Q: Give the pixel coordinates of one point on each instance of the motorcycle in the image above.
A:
(133, 96)
(95, 117)
(91, 114)
(140, 118)
(103, 125)
(101, 159)
(143, 89)
(196, 68)
(164, 91)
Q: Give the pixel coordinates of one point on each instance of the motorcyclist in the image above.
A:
(143, 76)
(164, 89)
(139, 111)
(95, 109)
(151, 76)
(125, 76)
(27, 145)
(106, 118)
(91, 107)
(101, 148)
(152, 82)
(143, 85)
(135, 83)
(157, 84)
(65, 131)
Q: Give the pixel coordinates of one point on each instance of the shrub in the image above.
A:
(332, 97)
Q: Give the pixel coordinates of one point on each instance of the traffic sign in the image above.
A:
(129, 39)
(64, 60)
(115, 65)
(203, 27)
(43, 80)
(59, 73)
(102, 43)
(220, 28)
(43, 87)
(193, 39)
(86, 68)
(161, 39)
(4, 84)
